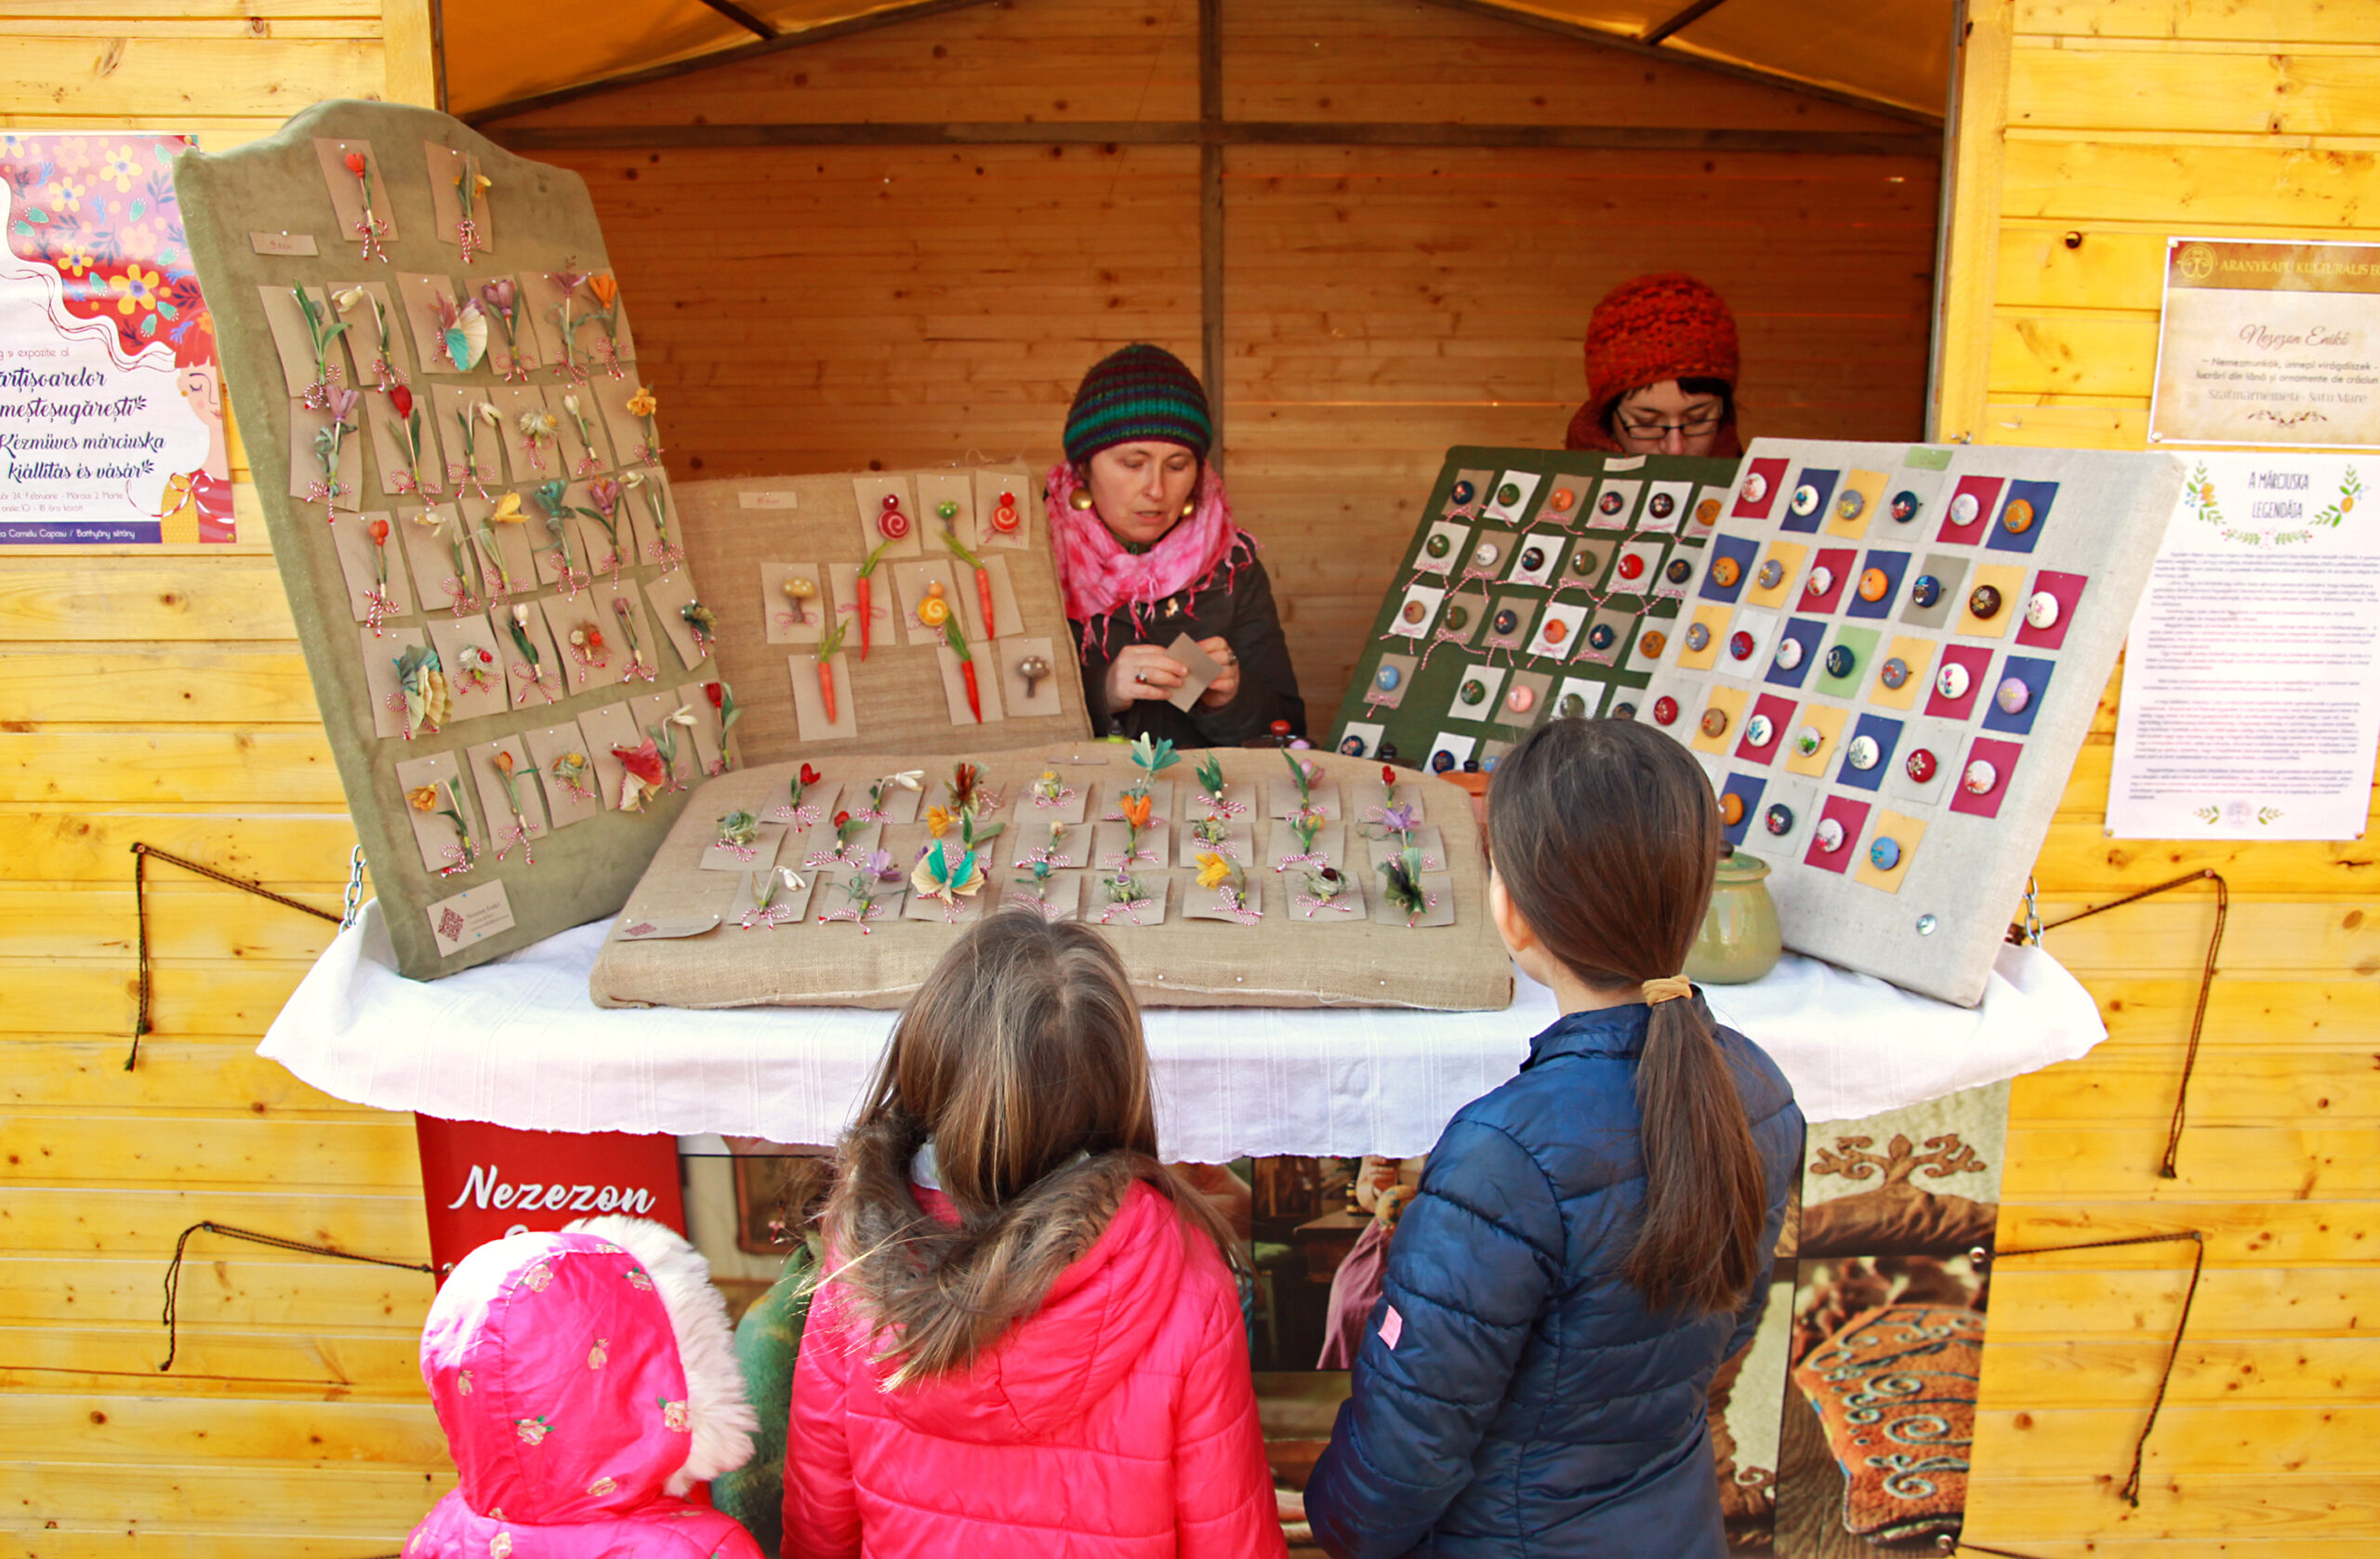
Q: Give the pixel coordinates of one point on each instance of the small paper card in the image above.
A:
(470, 447)
(1068, 800)
(1437, 891)
(1004, 505)
(936, 489)
(507, 567)
(614, 725)
(1306, 907)
(915, 583)
(419, 299)
(992, 796)
(1204, 669)
(879, 523)
(380, 651)
(820, 850)
(533, 669)
(1386, 690)
(1367, 799)
(810, 716)
(1284, 853)
(968, 906)
(1524, 702)
(760, 856)
(287, 244)
(637, 929)
(533, 446)
(511, 830)
(893, 804)
(1508, 625)
(592, 653)
(585, 444)
(1237, 800)
(955, 690)
(789, 901)
(473, 660)
(1149, 853)
(445, 844)
(633, 437)
(347, 191)
(628, 634)
(651, 507)
(294, 343)
(362, 563)
(571, 795)
(1006, 617)
(1432, 845)
(1243, 905)
(308, 476)
(1232, 839)
(539, 326)
(1061, 846)
(793, 620)
(883, 906)
(653, 711)
(816, 806)
(447, 168)
(670, 595)
(1011, 656)
(471, 916)
(843, 579)
(391, 454)
(364, 326)
(1100, 907)
(1324, 799)
(1058, 897)
(443, 566)
(1160, 793)
(622, 339)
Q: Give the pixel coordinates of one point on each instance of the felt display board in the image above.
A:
(695, 934)
(755, 536)
(1537, 582)
(467, 866)
(1888, 668)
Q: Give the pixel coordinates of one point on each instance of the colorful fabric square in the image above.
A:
(1737, 551)
(1748, 788)
(1607, 638)
(1970, 505)
(1807, 505)
(1974, 661)
(2022, 517)
(1833, 570)
(1895, 1391)
(1935, 590)
(2001, 756)
(2064, 589)
(1884, 859)
(1777, 712)
(1138, 393)
(1760, 488)
(2030, 674)
(1805, 634)
(1842, 675)
(1849, 816)
(1894, 567)
(1883, 738)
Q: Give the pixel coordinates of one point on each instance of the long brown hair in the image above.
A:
(1606, 837)
(1021, 1059)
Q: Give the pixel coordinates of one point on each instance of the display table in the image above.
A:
(518, 1043)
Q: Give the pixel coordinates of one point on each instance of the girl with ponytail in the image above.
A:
(1591, 1240)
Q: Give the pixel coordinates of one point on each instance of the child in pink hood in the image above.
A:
(1031, 1344)
(587, 1383)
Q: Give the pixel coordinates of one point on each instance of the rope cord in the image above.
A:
(174, 1268)
(140, 855)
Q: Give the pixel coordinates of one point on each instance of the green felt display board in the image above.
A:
(1611, 559)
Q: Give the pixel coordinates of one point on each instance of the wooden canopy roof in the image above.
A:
(502, 57)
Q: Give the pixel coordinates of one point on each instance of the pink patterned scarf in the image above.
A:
(1099, 575)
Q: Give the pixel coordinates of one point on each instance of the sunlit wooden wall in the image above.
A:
(157, 695)
(2094, 129)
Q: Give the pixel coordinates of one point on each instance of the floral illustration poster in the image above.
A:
(111, 397)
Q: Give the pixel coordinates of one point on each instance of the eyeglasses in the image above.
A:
(1693, 426)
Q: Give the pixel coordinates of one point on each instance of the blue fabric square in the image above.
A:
(1806, 632)
(2000, 538)
(1742, 548)
(1893, 564)
(1749, 786)
(1820, 483)
(1885, 734)
(2034, 675)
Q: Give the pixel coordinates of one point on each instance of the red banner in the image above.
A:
(481, 1182)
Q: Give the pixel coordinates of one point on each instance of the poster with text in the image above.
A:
(2268, 343)
(2251, 696)
(111, 398)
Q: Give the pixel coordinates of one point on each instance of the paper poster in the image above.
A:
(2252, 677)
(111, 397)
(2263, 342)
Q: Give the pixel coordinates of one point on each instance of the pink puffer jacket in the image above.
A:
(558, 1377)
(1117, 1422)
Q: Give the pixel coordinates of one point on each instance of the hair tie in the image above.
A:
(1669, 987)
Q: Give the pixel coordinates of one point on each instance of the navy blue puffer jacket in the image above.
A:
(1514, 1395)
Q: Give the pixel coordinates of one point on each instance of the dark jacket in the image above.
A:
(1237, 607)
(1531, 1405)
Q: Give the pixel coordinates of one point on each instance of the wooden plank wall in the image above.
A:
(2097, 128)
(848, 306)
(158, 695)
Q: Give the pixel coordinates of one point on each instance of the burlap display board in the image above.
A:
(278, 213)
(746, 536)
(682, 939)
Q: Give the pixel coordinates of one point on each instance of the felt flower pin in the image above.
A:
(723, 708)
(372, 230)
(1210, 773)
(1049, 790)
(589, 460)
(1125, 896)
(569, 770)
(804, 776)
(467, 185)
(384, 373)
(500, 301)
(642, 405)
(408, 428)
(507, 767)
(766, 886)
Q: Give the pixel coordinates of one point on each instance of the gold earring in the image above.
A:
(1079, 498)
(1189, 509)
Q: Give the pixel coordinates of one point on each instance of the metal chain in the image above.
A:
(2033, 912)
(353, 902)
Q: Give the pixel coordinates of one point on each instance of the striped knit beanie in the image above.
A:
(1138, 393)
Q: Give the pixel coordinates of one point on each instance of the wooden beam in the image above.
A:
(1584, 138)
(409, 51)
(1685, 18)
(1580, 32)
(1210, 217)
(742, 18)
(1970, 265)
(910, 11)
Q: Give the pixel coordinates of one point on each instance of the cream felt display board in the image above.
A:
(869, 931)
(401, 373)
(1887, 665)
(749, 539)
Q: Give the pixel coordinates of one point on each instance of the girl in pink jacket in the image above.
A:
(1031, 1344)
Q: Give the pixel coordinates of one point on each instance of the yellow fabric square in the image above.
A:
(1729, 702)
(1869, 486)
(2010, 583)
(1713, 620)
(1902, 830)
(1918, 655)
(1789, 556)
(1828, 722)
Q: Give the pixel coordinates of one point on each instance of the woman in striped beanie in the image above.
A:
(1147, 551)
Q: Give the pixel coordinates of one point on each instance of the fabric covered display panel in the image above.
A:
(1238, 877)
(1892, 659)
(483, 554)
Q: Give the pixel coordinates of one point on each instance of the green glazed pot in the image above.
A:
(1740, 940)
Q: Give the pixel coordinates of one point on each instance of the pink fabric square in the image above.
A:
(1392, 1327)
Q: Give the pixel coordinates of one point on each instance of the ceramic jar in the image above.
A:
(1740, 940)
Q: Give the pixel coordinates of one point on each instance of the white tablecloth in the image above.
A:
(518, 1043)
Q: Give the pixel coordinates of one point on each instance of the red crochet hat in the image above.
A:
(1664, 326)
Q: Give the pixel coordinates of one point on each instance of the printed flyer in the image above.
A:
(111, 397)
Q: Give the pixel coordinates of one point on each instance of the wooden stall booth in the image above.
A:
(894, 236)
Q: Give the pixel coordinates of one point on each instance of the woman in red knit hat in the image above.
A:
(1661, 364)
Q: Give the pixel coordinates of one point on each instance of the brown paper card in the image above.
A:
(1024, 844)
(1152, 852)
(910, 582)
(760, 855)
(970, 907)
(539, 298)
(808, 706)
(305, 465)
(1098, 909)
(452, 401)
(612, 602)
(1297, 911)
(495, 806)
(563, 806)
(819, 851)
(586, 665)
(1160, 793)
(543, 679)
(1203, 670)
(653, 711)
(1283, 796)
(1239, 800)
(669, 594)
(469, 916)
(434, 832)
(1071, 804)
(1056, 897)
(1432, 845)
(1008, 655)
(935, 489)
(789, 621)
(896, 803)
(427, 533)
(622, 336)
(1008, 615)
(954, 689)
(641, 930)
(474, 657)
(818, 806)
(389, 456)
(868, 494)
(843, 580)
(294, 345)
(1368, 799)
(1256, 903)
(529, 466)
(1329, 842)
(417, 297)
(989, 486)
(788, 910)
(501, 349)
(508, 568)
(359, 560)
(1235, 841)
(831, 905)
(1437, 887)
(709, 755)
(380, 676)
(585, 451)
(629, 440)
(613, 725)
(446, 199)
(363, 327)
(656, 542)
(347, 191)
